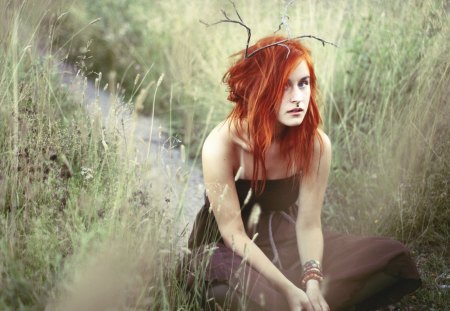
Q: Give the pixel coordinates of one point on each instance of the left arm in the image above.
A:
(308, 225)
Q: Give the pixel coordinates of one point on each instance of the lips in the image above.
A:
(295, 110)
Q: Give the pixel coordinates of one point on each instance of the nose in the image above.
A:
(296, 95)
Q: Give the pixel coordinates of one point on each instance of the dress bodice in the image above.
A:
(278, 194)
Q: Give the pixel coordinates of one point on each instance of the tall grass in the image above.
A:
(84, 226)
(388, 111)
(384, 89)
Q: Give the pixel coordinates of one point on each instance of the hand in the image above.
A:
(298, 300)
(315, 296)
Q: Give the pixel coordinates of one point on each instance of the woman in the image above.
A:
(265, 171)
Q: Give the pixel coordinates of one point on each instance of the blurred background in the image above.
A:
(84, 224)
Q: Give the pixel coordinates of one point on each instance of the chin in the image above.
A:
(291, 123)
(294, 123)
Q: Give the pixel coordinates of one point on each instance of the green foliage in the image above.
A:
(78, 218)
(68, 189)
(388, 123)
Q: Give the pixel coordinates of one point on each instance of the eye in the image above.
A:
(303, 84)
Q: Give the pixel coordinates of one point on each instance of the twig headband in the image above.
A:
(284, 19)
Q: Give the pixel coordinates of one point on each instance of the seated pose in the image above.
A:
(258, 241)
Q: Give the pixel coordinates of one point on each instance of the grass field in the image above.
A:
(83, 226)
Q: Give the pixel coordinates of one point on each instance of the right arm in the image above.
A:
(218, 158)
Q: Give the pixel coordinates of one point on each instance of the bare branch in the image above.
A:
(239, 22)
(284, 21)
(235, 10)
(225, 14)
(281, 24)
(285, 40)
(289, 50)
(285, 18)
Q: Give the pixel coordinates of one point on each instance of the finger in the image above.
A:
(315, 303)
(307, 307)
(316, 306)
(324, 305)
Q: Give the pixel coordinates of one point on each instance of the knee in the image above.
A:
(217, 296)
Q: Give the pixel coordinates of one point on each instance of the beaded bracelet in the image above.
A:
(311, 264)
(311, 276)
(316, 270)
(311, 271)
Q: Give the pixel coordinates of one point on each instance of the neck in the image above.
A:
(279, 132)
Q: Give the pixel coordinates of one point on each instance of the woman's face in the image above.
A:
(297, 92)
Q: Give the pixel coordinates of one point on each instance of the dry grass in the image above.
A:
(83, 224)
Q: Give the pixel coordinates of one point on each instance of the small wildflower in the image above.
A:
(255, 236)
(249, 195)
(136, 80)
(105, 145)
(139, 104)
(238, 173)
(161, 77)
(254, 216)
(183, 153)
(87, 173)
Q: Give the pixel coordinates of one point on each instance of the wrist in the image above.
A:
(289, 287)
(313, 284)
(312, 274)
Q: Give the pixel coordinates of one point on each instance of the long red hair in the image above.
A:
(256, 86)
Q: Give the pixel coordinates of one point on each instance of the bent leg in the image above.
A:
(366, 272)
(376, 284)
(235, 285)
(221, 297)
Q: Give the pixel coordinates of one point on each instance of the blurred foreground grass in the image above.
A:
(82, 223)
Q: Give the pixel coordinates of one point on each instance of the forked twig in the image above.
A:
(285, 40)
(281, 44)
(240, 21)
(285, 18)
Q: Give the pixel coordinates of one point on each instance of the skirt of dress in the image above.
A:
(348, 263)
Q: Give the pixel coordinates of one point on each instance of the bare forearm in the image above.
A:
(310, 243)
(247, 249)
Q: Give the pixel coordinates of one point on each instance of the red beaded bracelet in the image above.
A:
(311, 271)
(311, 276)
(317, 270)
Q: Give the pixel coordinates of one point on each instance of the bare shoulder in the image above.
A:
(322, 144)
(218, 140)
(218, 153)
(321, 160)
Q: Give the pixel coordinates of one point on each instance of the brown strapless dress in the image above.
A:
(348, 261)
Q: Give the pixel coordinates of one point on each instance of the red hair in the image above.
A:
(256, 85)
